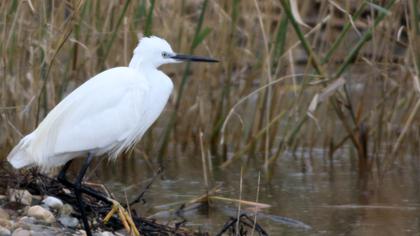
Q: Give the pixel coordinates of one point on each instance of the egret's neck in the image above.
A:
(141, 64)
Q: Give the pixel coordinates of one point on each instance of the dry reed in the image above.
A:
(50, 47)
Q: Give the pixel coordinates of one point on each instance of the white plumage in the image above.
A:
(107, 114)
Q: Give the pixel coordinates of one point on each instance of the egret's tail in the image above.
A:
(19, 157)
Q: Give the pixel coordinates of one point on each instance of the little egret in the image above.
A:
(107, 114)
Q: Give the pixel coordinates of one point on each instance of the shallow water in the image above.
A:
(327, 196)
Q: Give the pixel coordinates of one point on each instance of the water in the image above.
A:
(328, 197)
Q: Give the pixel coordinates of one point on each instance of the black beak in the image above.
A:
(184, 57)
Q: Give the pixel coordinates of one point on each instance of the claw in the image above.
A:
(125, 218)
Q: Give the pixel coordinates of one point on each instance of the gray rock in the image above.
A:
(41, 233)
(105, 233)
(41, 214)
(81, 232)
(4, 231)
(121, 232)
(26, 220)
(53, 203)
(44, 232)
(39, 229)
(21, 232)
(21, 196)
(68, 221)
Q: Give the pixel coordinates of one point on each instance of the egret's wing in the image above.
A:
(102, 128)
(100, 114)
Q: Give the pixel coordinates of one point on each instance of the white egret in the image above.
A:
(107, 114)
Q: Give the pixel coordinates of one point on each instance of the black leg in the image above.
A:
(78, 193)
(82, 211)
(83, 170)
(79, 190)
(77, 187)
(62, 175)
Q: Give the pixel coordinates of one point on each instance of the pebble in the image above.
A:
(37, 220)
(41, 214)
(45, 232)
(66, 191)
(37, 197)
(81, 232)
(26, 220)
(121, 232)
(4, 231)
(21, 196)
(6, 223)
(105, 233)
(53, 203)
(21, 232)
(66, 210)
(68, 221)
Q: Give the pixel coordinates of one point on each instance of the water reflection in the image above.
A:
(326, 194)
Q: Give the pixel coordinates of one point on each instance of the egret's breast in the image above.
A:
(160, 89)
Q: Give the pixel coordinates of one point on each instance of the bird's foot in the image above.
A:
(125, 218)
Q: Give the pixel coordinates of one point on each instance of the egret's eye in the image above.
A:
(165, 54)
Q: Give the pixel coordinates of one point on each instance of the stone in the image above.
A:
(66, 191)
(53, 203)
(41, 214)
(104, 233)
(21, 232)
(81, 232)
(37, 197)
(68, 221)
(4, 214)
(6, 223)
(26, 220)
(44, 232)
(121, 232)
(66, 210)
(4, 231)
(21, 196)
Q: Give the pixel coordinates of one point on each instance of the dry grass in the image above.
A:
(50, 47)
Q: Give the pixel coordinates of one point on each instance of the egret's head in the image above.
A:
(156, 52)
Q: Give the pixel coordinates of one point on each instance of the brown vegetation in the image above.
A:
(333, 74)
